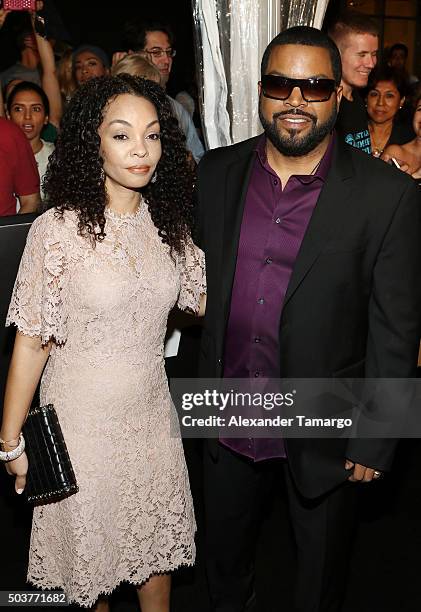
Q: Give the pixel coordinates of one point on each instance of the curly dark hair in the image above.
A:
(75, 179)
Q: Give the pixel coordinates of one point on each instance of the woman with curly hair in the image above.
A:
(101, 270)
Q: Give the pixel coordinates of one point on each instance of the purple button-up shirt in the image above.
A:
(274, 222)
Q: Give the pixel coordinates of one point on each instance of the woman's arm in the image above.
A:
(202, 305)
(49, 80)
(28, 361)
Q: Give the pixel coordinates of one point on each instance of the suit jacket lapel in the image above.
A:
(327, 216)
(237, 182)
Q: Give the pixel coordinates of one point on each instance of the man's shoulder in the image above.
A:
(177, 108)
(230, 153)
(370, 172)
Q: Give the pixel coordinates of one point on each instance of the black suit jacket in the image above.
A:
(353, 304)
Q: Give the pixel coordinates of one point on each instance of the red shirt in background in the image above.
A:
(18, 169)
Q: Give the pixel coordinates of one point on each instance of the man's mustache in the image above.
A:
(297, 112)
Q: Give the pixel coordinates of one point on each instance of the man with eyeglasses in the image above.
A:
(156, 40)
(357, 39)
(313, 262)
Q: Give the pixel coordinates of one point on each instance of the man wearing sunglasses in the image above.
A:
(313, 265)
(357, 39)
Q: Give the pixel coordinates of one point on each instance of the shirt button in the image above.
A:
(268, 260)
(277, 220)
(257, 374)
(275, 182)
(257, 340)
(260, 301)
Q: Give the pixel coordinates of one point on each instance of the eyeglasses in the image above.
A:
(158, 52)
(312, 90)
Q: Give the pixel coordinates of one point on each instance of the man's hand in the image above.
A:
(361, 473)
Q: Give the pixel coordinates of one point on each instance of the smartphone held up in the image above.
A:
(19, 5)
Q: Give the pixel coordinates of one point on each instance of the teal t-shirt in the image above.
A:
(352, 123)
(49, 133)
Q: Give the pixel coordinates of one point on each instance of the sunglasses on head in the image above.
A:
(312, 90)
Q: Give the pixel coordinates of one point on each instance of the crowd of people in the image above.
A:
(36, 88)
(291, 218)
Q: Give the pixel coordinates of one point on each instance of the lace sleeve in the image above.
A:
(193, 278)
(37, 304)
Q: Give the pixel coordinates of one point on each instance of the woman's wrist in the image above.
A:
(9, 451)
(7, 447)
(9, 441)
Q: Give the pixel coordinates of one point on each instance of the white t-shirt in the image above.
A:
(42, 159)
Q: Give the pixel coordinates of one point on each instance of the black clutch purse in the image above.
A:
(50, 474)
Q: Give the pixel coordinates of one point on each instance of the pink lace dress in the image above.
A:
(106, 309)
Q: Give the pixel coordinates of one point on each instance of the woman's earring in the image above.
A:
(102, 174)
(155, 176)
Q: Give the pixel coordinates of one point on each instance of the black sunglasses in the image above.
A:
(312, 90)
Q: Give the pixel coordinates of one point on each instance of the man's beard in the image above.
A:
(293, 145)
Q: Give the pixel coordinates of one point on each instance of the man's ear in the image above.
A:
(339, 93)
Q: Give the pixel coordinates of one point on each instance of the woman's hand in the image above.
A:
(19, 468)
(388, 157)
(417, 174)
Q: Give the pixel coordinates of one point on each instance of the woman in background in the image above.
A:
(65, 76)
(410, 152)
(136, 65)
(28, 107)
(385, 98)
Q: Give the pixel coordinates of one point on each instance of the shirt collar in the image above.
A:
(321, 172)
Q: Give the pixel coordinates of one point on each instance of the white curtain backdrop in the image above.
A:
(319, 14)
(303, 12)
(215, 117)
(253, 24)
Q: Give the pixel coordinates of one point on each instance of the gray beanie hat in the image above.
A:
(100, 53)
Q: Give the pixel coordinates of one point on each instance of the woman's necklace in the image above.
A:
(377, 147)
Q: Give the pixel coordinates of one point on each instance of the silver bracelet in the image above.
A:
(15, 453)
